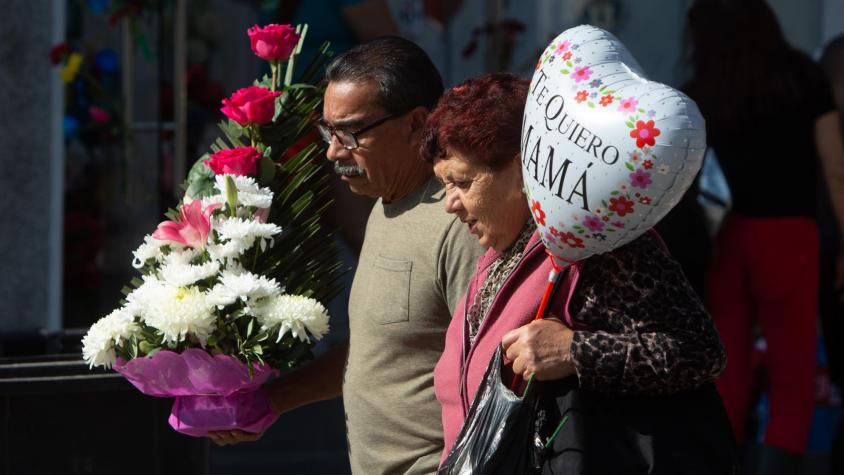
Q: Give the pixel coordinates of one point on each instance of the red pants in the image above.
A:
(766, 271)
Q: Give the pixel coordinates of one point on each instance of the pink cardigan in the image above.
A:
(515, 305)
(639, 327)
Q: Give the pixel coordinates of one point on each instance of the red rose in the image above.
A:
(236, 161)
(253, 105)
(273, 42)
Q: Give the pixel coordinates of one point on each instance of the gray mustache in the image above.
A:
(348, 170)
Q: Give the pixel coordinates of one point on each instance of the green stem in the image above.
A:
(530, 381)
(556, 431)
(274, 69)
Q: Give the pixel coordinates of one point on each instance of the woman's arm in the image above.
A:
(646, 331)
(828, 140)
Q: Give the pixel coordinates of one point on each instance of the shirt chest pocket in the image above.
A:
(389, 292)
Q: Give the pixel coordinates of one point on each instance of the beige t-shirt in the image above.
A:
(415, 265)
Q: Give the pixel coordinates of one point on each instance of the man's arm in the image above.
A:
(319, 381)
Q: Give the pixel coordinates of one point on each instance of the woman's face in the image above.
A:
(489, 202)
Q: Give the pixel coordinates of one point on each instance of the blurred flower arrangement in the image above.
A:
(230, 284)
(91, 91)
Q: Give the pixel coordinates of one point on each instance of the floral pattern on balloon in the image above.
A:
(643, 140)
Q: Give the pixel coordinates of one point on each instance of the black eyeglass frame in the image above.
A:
(328, 131)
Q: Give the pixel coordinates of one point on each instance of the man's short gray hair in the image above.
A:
(405, 76)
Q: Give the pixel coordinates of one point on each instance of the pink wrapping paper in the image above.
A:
(212, 392)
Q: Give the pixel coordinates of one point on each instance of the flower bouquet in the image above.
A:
(230, 284)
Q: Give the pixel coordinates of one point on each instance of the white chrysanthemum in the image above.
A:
(241, 285)
(245, 231)
(232, 249)
(98, 343)
(248, 192)
(151, 248)
(181, 256)
(294, 314)
(175, 311)
(178, 273)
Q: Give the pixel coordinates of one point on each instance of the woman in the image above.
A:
(771, 121)
(630, 323)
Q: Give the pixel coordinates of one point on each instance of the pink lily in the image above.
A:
(193, 226)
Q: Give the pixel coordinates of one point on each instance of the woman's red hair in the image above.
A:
(480, 118)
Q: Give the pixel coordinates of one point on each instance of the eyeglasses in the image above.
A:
(348, 139)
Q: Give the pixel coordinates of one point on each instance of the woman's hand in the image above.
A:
(542, 347)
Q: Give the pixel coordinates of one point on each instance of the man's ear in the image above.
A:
(418, 115)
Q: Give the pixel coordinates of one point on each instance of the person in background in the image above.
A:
(771, 120)
(832, 248)
(414, 265)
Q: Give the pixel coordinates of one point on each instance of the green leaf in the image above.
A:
(569, 64)
(234, 130)
(629, 124)
(590, 104)
(172, 214)
(294, 87)
(146, 347)
(200, 180)
(614, 193)
(564, 71)
(629, 166)
(279, 106)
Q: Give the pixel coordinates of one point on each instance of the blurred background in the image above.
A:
(104, 106)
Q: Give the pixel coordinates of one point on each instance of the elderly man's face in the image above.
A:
(373, 168)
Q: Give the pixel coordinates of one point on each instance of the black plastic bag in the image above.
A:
(497, 436)
(589, 433)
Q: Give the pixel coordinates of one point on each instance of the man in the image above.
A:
(414, 266)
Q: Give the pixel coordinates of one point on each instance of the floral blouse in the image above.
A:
(498, 273)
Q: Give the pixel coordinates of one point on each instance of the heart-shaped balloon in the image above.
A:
(606, 153)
